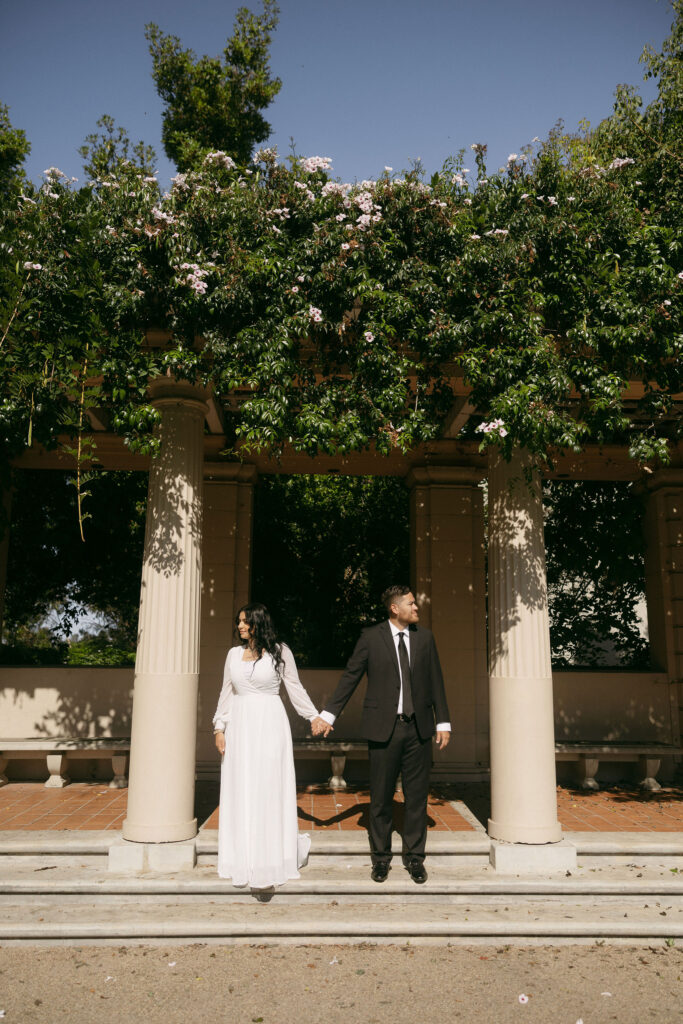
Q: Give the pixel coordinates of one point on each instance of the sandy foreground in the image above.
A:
(341, 984)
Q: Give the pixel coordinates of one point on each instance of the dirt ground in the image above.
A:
(215, 984)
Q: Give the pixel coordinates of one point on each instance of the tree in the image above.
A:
(104, 153)
(51, 573)
(214, 103)
(342, 539)
(14, 148)
(596, 574)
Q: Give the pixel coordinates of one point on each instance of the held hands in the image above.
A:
(319, 727)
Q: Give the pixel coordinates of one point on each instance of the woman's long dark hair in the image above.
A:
(262, 633)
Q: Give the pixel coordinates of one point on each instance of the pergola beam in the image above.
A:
(595, 462)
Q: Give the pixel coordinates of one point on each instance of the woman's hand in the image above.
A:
(220, 742)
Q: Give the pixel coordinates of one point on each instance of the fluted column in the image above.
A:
(523, 786)
(5, 514)
(163, 737)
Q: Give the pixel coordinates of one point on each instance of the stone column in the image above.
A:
(5, 515)
(226, 586)
(523, 786)
(664, 583)
(163, 738)
(447, 574)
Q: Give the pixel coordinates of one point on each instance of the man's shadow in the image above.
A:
(362, 810)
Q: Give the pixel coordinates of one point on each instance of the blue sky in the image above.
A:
(367, 82)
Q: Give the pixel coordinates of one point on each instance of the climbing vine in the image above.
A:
(334, 316)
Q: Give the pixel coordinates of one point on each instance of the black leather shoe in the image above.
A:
(380, 870)
(416, 870)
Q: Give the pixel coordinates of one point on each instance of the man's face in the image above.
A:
(405, 609)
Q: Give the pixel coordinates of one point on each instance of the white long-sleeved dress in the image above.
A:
(258, 836)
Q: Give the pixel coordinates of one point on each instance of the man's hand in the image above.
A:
(442, 739)
(220, 742)
(319, 727)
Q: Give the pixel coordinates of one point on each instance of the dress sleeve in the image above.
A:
(301, 702)
(222, 716)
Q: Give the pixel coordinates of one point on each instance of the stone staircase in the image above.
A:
(56, 889)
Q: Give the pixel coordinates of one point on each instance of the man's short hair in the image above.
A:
(392, 594)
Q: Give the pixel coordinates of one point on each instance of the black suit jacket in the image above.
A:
(375, 653)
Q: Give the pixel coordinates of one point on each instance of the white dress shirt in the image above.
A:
(328, 717)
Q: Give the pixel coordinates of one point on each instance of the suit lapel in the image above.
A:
(391, 646)
(416, 638)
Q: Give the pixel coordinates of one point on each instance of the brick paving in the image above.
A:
(93, 806)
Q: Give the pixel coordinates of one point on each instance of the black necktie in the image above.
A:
(403, 661)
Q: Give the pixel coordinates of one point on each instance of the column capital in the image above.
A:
(452, 476)
(165, 391)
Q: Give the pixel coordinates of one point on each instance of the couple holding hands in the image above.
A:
(259, 843)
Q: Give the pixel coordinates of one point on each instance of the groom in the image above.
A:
(405, 704)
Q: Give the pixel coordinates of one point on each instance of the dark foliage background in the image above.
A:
(324, 550)
(596, 574)
(52, 572)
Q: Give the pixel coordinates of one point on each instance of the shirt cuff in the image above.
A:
(219, 724)
(443, 726)
(328, 717)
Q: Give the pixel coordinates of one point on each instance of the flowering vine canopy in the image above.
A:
(332, 317)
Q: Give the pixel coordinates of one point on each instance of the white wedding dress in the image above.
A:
(258, 836)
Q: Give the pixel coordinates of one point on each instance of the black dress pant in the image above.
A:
(405, 753)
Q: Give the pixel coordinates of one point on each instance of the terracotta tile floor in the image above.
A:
(28, 805)
(348, 810)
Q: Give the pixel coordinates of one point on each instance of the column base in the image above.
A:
(509, 833)
(136, 858)
(526, 859)
(166, 832)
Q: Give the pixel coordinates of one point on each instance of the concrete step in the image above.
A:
(546, 920)
(38, 877)
(616, 847)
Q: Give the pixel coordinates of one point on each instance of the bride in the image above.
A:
(258, 838)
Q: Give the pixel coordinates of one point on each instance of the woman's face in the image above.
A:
(243, 627)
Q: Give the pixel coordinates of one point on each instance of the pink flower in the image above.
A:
(369, 336)
(33, 266)
(295, 289)
(620, 162)
(316, 163)
(497, 427)
(522, 998)
(220, 159)
(345, 245)
(315, 314)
